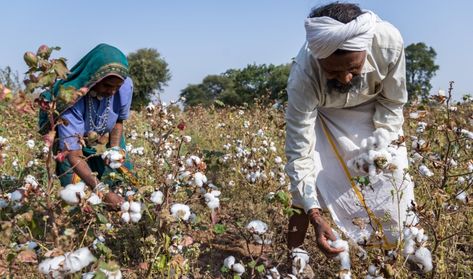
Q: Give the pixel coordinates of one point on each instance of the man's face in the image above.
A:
(108, 86)
(343, 70)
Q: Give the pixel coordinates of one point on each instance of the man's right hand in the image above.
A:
(323, 232)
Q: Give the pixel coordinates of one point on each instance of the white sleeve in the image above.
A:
(301, 115)
(389, 106)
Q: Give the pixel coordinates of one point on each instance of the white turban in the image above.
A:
(325, 35)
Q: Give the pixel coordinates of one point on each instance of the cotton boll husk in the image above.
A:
(423, 257)
(125, 206)
(238, 269)
(135, 207)
(135, 217)
(125, 217)
(157, 197)
(229, 262)
(94, 199)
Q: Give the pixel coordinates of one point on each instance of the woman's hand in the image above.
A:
(323, 232)
(113, 201)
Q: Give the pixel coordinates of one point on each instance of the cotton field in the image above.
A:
(208, 198)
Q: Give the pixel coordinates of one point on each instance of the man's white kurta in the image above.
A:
(317, 177)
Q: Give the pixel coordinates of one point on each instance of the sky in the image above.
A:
(198, 38)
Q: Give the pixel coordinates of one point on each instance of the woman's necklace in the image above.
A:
(103, 119)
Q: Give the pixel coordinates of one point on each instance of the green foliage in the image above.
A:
(149, 72)
(10, 79)
(236, 87)
(420, 68)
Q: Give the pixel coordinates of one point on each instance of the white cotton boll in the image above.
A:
(298, 265)
(135, 207)
(3, 203)
(229, 262)
(52, 266)
(424, 258)
(414, 231)
(94, 199)
(129, 193)
(278, 160)
(199, 179)
(71, 192)
(157, 197)
(180, 211)
(184, 175)
(16, 196)
(257, 226)
(115, 165)
(135, 217)
(125, 206)
(291, 276)
(273, 273)
(115, 155)
(186, 139)
(77, 260)
(408, 234)
(216, 193)
(462, 196)
(425, 171)
(88, 275)
(31, 180)
(344, 258)
(211, 201)
(30, 143)
(238, 269)
(116, 274)
(383, 137)
(420, 235)
(372, 270)
(409, 247)
(340, 243)
(125, 217)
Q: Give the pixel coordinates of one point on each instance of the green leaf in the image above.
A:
(282, 197)
(219, 103)
(219, 228)
(101, 218)
(252, 264)
(260, 268)
(224, 269)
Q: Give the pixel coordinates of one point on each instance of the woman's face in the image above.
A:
(108, 86)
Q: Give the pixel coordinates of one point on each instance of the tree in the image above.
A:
(420, 68)
(149, 72)
(10, 79)
(238, 86)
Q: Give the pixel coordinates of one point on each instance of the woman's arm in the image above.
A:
(116, 134)
(81, 168)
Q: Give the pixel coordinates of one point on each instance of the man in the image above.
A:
(347, 81)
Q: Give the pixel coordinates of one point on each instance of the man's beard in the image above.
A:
(353, 85)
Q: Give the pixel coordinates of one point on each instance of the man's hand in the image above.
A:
(113, 201)
(323, 232)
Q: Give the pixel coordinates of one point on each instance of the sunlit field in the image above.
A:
(210, 185)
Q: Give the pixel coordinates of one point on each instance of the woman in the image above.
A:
(93, 118)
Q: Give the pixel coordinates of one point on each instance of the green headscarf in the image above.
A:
(102, 61)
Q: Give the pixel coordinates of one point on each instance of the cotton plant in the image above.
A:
(69, 263)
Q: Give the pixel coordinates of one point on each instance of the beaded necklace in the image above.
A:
(102, 119)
